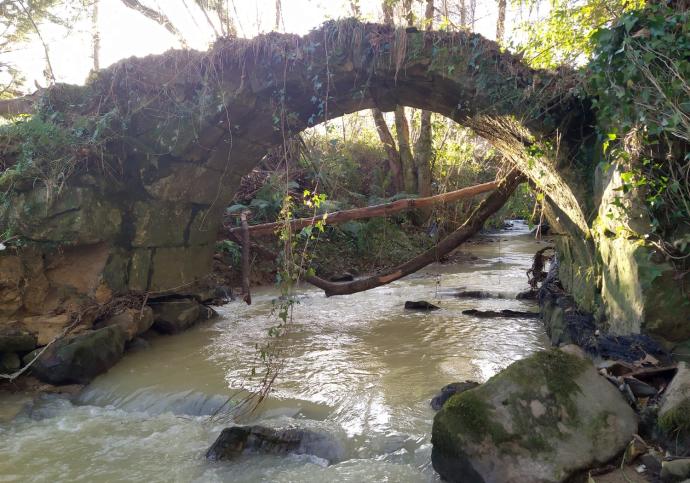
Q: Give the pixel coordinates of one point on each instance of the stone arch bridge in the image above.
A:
(179, 130)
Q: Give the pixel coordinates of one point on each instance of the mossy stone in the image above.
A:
(541, 419)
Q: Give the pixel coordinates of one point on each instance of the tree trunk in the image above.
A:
(423, 154)
(473, 224)
(279, 8)
(391, 151)
(501, 22)
(409, 16)
(402, 131)
(384, 209)
(423, 149)
(356, 10)
(95, 37)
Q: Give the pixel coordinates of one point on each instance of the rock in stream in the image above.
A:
(542, 419)
(238, 440)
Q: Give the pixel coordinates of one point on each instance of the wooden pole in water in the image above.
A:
(246, 244)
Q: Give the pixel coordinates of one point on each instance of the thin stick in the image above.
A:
(246, 246)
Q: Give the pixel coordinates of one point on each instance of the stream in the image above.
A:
(359, 368)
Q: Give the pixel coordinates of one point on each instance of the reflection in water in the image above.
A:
(359, 367)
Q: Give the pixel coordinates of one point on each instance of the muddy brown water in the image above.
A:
(359, 367)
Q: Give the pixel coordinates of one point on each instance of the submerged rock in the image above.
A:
(420, 305)
(80, 358)
(490, 314)
(450, 390)
(176, 315)
(527, 295)
(481, 294)
(540, 420)
(239, 440)
(342, 277)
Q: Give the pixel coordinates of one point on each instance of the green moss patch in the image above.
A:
(467, 413)
(677, 420)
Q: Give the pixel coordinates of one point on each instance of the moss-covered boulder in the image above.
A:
(78, 359)
(540, 420)
(175, 315)
(132, 321)
(674, 413)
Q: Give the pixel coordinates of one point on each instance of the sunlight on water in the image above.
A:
(359, 367)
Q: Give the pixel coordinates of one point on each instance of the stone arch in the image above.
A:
(197, 122)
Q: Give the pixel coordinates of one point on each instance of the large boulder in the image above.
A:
(133, 322)
(78, 359)
(540, 420)
(239, 440)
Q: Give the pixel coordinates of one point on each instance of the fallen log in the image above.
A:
(385, 209)
(474, 223)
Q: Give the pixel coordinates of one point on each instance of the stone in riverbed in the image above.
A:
(540, 420)
(491, 314)
(80, 358)
(420, 305)
(9, 362)
(133, 322)
(175, 315)
(15, 340)
(450, 390)
(239, 440)
(342, 277)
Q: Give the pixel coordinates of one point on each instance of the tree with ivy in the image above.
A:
(639, 81)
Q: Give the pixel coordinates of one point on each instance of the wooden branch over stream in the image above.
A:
(385, 209)
(474, 223)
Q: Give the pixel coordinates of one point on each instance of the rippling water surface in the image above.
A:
(359, 367)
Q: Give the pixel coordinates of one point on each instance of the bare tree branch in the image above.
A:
(159, 17)
(49, 65)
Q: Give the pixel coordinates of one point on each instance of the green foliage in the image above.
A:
(33, 142)
(519, 206)
(640, 82)
(640, 74)
(232, 249)
(677, 420)
(565, 35)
